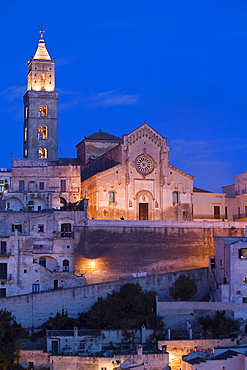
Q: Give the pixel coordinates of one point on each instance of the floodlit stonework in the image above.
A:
(138, 182)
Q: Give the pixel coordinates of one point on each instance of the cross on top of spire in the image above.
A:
(41, 52)
(41, 31)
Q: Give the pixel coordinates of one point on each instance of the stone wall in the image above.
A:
(177, 314)
(40, 359)
(34, 309)
(111, 250)
(151, 361)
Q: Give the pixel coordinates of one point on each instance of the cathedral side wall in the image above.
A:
(114, 250)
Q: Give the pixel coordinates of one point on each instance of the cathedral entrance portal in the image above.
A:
(144, 201)
(143, 211)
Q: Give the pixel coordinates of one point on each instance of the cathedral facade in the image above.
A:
(134, 180)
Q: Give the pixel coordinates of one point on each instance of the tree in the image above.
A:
(8, 339)
(184, 289)
(128, 308)
(60, 321)
(219, 325)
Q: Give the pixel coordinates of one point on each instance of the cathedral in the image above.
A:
(123, 178)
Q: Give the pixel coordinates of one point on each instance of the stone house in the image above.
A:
(37, 251)
(228, 270)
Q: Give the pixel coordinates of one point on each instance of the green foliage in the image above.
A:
(218, 326)
(184, 289)
(60, 321)
(128, 308)
(8, 339)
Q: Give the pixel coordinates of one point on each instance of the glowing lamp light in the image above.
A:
(92, 264)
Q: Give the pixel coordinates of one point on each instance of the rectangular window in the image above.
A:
(175, 197)
(244, 299)
(242, 253)
(41, 185)
(2, 292)
(3, 247)
(66, 230)
(40, 228)
(3, 271)
(25, 134)
(21, 186)
(216, 212)
(226, 212)
(35, 288)
(17, 227)
(42, 133)
(31, 185)
(42, 110)
(63, 185)
(111, 197)
(42, 153)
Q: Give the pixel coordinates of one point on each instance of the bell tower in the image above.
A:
(40, 107)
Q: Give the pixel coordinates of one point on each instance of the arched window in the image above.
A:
(175, 197)
(65, 265)
(111, 197)
(42, 261)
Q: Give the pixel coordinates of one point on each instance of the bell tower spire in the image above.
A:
(41, 68)
(40, 106)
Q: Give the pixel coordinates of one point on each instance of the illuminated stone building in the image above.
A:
(133, 179)
(236, 197)
(40, 180)
(40, 107)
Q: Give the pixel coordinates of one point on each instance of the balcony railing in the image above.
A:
(237, 192)
(239, 216)
(5, 254)
(63, 234)
(244, 191)
(210, 217)
(6, 277)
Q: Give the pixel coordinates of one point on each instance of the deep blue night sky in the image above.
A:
(178, 64)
